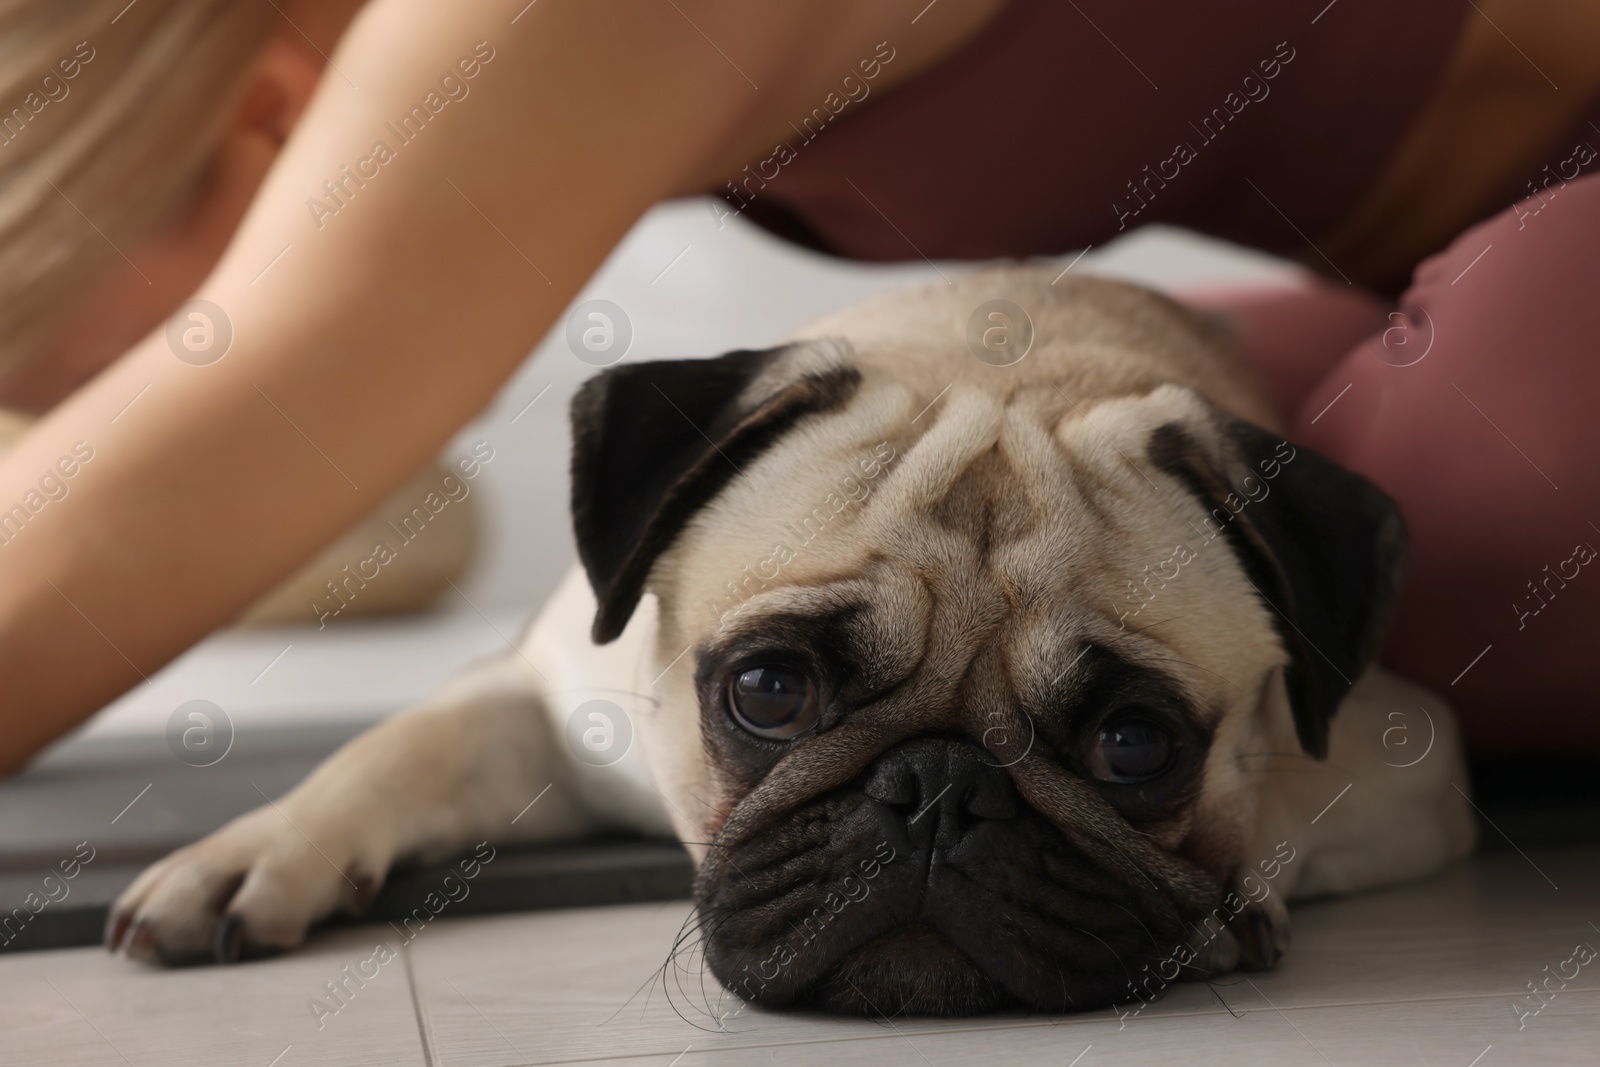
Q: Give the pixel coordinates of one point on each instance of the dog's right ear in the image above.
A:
(652, 443)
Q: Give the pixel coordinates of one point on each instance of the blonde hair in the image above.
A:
(109, 114)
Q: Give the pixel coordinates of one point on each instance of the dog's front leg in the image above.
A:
(427, 783)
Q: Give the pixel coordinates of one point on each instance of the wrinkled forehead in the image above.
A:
(1016, 524)
(881, 480)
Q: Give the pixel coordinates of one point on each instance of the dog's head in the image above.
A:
(979, 666)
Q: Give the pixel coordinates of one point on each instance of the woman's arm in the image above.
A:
(385, 326)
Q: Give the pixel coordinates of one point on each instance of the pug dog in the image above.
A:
(987, 646)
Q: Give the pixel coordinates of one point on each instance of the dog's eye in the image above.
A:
(1131, 749)
(774, 702)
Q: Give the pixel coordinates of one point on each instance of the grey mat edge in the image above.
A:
(523, 879)
(596, 873)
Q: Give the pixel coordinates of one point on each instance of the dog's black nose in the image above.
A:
(932, 791)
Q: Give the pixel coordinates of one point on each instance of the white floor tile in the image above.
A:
(82, 1006)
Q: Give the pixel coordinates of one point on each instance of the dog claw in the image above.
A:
(116, 929)
(366, 889)
(1262, 938)
(229, 944)
(141, 942)
(1267, 950)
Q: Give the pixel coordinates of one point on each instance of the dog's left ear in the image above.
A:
(1324, 547)
(653, 443)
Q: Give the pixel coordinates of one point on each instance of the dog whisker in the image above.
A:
(679, 970)
(724, 854)
(1115, 954)
(1173, 659)
(1211, 985)
(1153, 942)
(1144, 631)
(1132, 863)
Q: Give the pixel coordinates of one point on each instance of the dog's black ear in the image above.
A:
(652, 443)
(1324, 547)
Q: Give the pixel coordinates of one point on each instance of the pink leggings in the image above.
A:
(1476, 405)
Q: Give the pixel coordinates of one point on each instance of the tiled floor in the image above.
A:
(1428, 974)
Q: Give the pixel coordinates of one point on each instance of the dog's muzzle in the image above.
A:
(926, 886)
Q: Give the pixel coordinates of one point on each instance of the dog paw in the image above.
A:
(250, 889)
(1262, 931)
(1242, 933)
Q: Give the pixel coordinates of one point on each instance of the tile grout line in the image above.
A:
(1001, 1028)
(424, 1028)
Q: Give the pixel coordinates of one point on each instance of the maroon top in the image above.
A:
(1062, 121)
